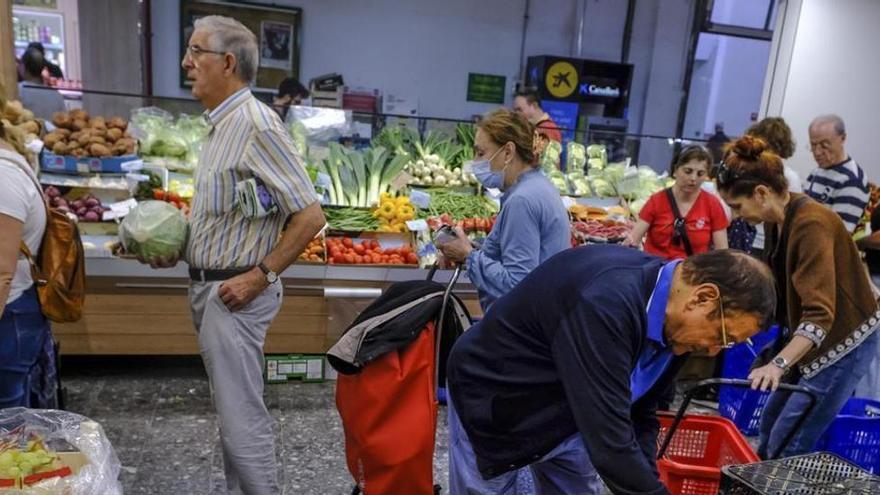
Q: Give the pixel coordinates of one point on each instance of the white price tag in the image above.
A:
(120, 209)
(568, 202)
(417, 225)
(132, 165)
(629, 183)
(420, 199)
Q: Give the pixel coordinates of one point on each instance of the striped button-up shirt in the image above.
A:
(844, 188)
(247, 141)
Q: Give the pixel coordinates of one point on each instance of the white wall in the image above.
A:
(825, 61)
(419, 48)
(425, 48)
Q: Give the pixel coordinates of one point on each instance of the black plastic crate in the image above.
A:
(821, 473)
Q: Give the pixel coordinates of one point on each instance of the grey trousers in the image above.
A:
(231, 345)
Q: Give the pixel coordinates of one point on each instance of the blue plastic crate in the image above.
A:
(855, 434)
(741, 405)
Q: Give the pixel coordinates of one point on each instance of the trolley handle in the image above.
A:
(689, 395)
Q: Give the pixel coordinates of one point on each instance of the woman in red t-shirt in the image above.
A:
(702, 218)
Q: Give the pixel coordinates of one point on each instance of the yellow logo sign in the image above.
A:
(561, 80)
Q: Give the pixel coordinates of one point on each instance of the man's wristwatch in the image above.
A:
(271, 276)
(780, 362)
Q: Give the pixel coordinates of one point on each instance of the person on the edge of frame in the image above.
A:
(825, 297)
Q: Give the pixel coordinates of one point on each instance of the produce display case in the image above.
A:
(385, 198)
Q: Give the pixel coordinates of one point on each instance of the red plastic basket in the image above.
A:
(700, 447)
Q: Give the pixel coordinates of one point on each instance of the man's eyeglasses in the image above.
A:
(195, 50)
(726, 343)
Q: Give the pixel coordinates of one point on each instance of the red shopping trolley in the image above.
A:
(694, 448)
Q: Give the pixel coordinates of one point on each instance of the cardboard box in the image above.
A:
(50, 162)
(280, 368)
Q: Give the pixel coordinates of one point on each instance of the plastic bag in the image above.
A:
(153, 229)
(145, 124)
(320, 125)
(75, 440)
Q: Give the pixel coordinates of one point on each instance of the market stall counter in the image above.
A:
(132, 309)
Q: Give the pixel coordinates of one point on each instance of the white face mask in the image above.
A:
(482, 170)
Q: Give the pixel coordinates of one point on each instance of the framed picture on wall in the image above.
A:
(277, 30)
(276, 45)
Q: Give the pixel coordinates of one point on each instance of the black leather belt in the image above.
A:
(199, 275)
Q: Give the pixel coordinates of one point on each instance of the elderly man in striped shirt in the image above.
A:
(234, 250)
(839, 182)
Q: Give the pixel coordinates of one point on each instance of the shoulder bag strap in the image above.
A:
(35, 270)
(680, 227)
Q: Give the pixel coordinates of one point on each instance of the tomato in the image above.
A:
(159, 194)
(349, 258)
(374, 245)
(412, 259)
(404, 250)
(338, 258)
(359, 249)
(173, 197)
(376, 258)
(347, 242)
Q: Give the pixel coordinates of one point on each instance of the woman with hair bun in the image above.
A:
(825, 299)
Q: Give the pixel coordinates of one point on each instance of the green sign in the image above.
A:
(486, 88)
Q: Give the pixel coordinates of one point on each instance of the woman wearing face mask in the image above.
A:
(533, 224)
(684, 219)
(825, 298)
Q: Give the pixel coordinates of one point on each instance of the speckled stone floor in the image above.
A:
(159, 418)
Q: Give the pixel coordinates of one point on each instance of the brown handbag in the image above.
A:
(59, 270)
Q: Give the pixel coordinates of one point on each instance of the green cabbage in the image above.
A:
(576, 157)
(153, 229)
(550, 157)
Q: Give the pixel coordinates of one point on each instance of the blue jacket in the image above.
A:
(555, 356)
(532, 226)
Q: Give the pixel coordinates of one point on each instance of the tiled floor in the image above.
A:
(159, 418)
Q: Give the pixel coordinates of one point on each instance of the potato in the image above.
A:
(79, 124)
(84, 137)
(97, 131)
(97, 122)
(65, 133)
(74, 136)
(113, 134)
(79, 152)
(99, 150)
(27, 116)
(62, 119)
(117, 123)
(60, 148)
(127, 141)
(51, 139)
(79, 114)
(95, 139)
(72, 145)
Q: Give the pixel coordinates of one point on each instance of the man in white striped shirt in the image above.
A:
(234, 251)
(839, 182)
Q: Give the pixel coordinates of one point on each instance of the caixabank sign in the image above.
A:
(582, 81)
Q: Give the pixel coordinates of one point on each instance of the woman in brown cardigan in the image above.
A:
(824, 297)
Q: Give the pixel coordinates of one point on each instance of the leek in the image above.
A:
(356, 159)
